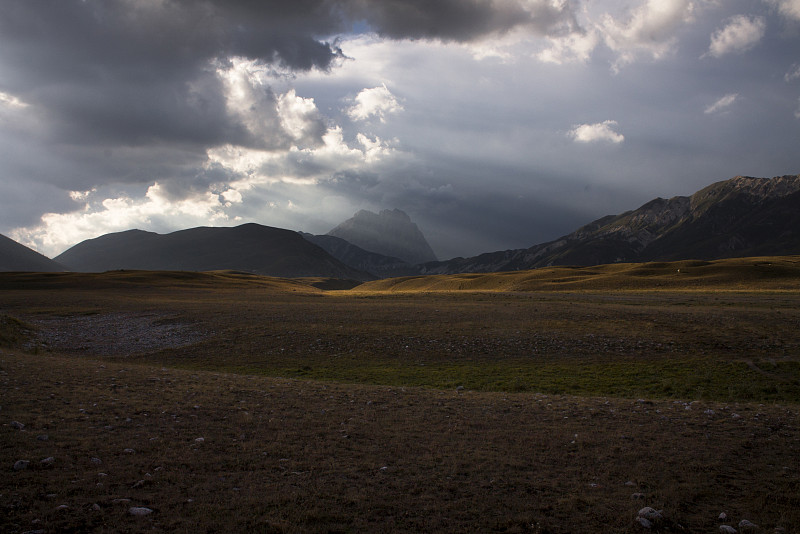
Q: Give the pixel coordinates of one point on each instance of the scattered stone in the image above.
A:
(139, 484)
(37, 531)
(745, 524)
(727, 529)
(42, 437)
(736, 416)
(48, 461)
(96, 507)
(62, 507)
(460, 388)
(121, 501)
(129, 451)
(709, 412)
(645, 523)
(723, 516)
(630, 483)
(139, 511)
(19, 465)
(200, 440)
(96, 461)
(101, 475)
(17, 425)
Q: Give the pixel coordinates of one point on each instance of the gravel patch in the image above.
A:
(114, 334)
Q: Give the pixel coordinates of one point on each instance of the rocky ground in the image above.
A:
(97, 446)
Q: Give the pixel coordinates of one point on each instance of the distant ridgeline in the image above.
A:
(739, 217)
(735, 218)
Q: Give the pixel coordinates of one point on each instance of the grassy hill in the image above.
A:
(764, 273)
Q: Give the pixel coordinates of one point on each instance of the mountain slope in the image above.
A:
(363, 260)
(17, 257)
(390, 233)
(249, 247)
(740, 217)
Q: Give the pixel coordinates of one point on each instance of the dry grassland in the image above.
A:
(524, 408)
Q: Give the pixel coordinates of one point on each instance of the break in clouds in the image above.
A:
(494, 123)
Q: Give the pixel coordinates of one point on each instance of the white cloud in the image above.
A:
(722, 103)
(793, 73)
(377, 101)
(299, 116)
(787, 8)
(649, 30)
(274, 121)
(741, 33)
(11, 101)
(599, 131)
(572, 48)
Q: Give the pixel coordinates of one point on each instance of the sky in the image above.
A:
(494, 124)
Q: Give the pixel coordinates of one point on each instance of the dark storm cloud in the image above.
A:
(455, 20)
(138, 72)
(144, 72)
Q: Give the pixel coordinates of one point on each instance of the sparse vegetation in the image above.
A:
(539, 401)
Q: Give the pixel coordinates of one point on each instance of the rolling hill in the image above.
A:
(252, 248)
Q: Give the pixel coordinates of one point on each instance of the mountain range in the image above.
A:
(740, 217)
(250, 247)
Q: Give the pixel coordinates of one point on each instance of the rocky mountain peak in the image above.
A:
(390, 232)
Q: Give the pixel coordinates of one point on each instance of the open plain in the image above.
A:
(555, 400)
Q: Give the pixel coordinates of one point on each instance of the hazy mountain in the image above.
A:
(249, 247)
(739, 217)
(363, 260)
(390, 233)
(17, 257)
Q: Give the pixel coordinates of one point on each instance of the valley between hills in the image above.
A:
(661, 397)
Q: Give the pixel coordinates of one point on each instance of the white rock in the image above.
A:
(17, 425)
(129, 451)
(650, 514)
(200, 440)
(48, 461)
(744, 523)
(19, 465)
(727, 529)
(139, 510)
(645, 523)
(723, 516)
